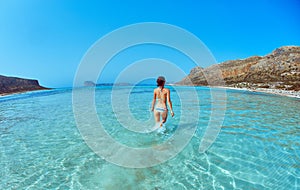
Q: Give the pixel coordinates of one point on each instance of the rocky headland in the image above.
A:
(277, 72)
(10, 85)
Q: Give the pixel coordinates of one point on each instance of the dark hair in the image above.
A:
(160, 81)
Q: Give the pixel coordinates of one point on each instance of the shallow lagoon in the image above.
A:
(258, 146)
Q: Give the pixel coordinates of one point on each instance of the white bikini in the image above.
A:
(159, 108)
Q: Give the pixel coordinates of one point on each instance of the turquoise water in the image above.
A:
(258, 146)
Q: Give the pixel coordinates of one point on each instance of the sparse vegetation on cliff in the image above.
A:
(277, 70)
(9, 85)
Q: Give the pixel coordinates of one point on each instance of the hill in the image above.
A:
(9, 85)
(278, 70)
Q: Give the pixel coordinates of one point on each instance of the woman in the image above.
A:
(162, 95)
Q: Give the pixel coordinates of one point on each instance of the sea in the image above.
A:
(104, 137)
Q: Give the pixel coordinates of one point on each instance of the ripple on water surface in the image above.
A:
(257, 148)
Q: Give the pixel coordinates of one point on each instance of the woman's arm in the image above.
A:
(153, 101)
(170, 102)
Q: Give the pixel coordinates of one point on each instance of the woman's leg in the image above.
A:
(156, 116)
(164, 116)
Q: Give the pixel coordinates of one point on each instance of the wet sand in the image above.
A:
(289, 93)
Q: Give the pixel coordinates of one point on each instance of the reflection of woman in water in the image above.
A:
(162, 95)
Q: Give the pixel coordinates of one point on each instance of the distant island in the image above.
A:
(91, 83)
(10, 85)
(275, 72)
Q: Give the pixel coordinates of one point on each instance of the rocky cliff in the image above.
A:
(280, 70)
(10, 85)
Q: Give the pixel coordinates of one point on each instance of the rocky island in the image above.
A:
(277, 72)
(10, 85)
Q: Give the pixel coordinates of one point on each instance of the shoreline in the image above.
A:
(22, 92)
(279, 92)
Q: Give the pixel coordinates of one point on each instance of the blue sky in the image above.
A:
(47, 39)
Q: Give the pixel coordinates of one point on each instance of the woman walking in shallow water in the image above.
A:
(161, 95)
